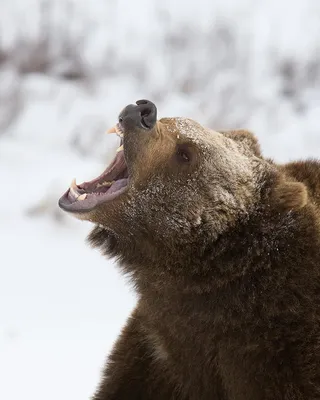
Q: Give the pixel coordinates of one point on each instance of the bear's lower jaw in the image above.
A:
(106, 187)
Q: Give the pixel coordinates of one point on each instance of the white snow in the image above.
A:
(62, 304)
(67, 68)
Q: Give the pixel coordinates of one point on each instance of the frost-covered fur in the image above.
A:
(223, 251)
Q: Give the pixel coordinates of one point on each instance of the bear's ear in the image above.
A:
(246, 138)
(290, 195)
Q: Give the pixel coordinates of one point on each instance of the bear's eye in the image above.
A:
(183, 154)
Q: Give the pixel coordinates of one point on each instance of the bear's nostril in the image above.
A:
(148, 112)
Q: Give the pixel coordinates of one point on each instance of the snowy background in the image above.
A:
(66, 70)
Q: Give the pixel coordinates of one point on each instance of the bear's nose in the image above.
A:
(142, 115)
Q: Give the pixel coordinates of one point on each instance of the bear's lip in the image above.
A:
(109, 185)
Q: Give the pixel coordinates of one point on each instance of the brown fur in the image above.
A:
(224, 254)
(291, 195)
(307, 172)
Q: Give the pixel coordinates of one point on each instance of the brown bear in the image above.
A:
(223, 248)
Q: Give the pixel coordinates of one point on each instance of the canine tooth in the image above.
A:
(73, 188)
(82, 196)
(74, 193)
(112, 130)
(120, 148)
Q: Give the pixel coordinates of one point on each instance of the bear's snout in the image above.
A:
(142, 115)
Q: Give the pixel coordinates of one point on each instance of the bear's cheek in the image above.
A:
(167, 207)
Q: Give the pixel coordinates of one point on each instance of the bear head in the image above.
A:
(175, 189)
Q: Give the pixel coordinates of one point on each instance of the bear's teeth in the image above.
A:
(105, 184)
(112, 130)
(120, 148)
(74, 189)
(116, 129)
(82, 196)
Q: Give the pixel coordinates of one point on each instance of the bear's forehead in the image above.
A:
(191, 130)
(219, 154)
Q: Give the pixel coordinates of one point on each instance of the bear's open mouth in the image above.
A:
(107, 186)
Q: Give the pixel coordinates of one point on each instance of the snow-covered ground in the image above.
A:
(67, 68)
(62, 305)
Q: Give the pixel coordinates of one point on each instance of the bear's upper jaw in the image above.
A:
(109, 185)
